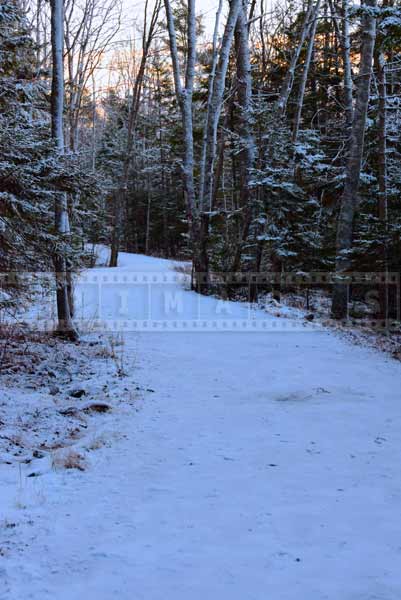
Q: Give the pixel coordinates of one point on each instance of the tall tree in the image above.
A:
(346, 53)
(382, 175)
(305, 72)
(198, 219)
(89, 28)
(217, 95)
(247, 140)
(184, 94)
(215, 55)
(349, 198)
(65, 325)
(286, 87)
(120, 196)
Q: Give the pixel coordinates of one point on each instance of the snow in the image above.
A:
(265, 464)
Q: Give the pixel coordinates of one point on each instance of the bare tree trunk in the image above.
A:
(305, 72)
(212, 76)
(262, 40)
(199, 220)
(382, 176)
(184, 99)
(220, 160)
(346, 52)
(65, 325)
(382, 127)
(289, 78)
(57, 93)
(248, 151)
(94, 144)
(38, 36)
(121, 194)
(244, 92)
(89, 27)
(164, 186)
(148, 207)
(216, 101)
(353, 168)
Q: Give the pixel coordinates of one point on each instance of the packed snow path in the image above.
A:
(265, 466)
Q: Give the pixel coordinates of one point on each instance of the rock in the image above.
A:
(100, 407)
(38, 454)
(54, 390)
(77, 392)
(309, 317)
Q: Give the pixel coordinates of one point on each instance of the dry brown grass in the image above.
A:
(69, 459)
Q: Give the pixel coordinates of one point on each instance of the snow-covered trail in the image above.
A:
(265, 465)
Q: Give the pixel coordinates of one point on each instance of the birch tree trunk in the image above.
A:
(305, 72)
(198, 230)
(65, 325)
(209, 103)
(197, 218)
(349, 198)
(382, 127)
(57, 91)
(289, 78)
(216, 101)
(184, 98)
(346, 53)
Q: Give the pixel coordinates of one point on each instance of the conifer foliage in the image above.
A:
(261, 140)
(31, 171)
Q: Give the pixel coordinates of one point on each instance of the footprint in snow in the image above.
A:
(294, 397)
(301, 396)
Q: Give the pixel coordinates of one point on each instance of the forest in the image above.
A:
(200, 299)
(261, 142)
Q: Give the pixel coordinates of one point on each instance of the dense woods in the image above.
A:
(249, 138)
(200, 299)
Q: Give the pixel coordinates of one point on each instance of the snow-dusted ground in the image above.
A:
(265, 465)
